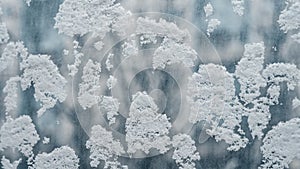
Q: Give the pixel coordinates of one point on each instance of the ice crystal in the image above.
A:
(111, 82)
(6, 164)
(185, 152)
(46, 140)
(161, 28)
(60, 158)
(211, 95)
(12, 54)
(145, 127)
(108, 63)
(12, 92)
(79, 17)
(212, 25)
(281, 145)
(110, 107)
(171, 52)
(129, 49)
(44, 75)
(289, 19)
(238, 7)
(248, 71)
(148, 38)
(73, 69)
(208, 9)
(89, 88)
(282, 72)
(296, 103)
(103, 147)
(4, 37)
(99, 45)
(19, 134)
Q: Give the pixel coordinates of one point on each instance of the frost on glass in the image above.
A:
(289, 19)
(90, 16)
(60, 158)
(185, 153)
(211, 94)
(49, 84)
(12, 91)
(19, 134)
(146, 129)
(281, 145)
(89, 88)
(6, 164)
(171, 52)
(238, 7)
(104, 148)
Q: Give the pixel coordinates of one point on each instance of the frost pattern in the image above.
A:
(208, 9)
(238, 7)
(6, 164)
(49, 84)
(161, 28)
(104, 147)
(89, 88)
(110, 107)
(171, 52)
(282, 72)
(12, 53)
(12, 93)
(73, 69)
(185, 152)
(145, 127)
(281, 145)
(212, 25)
(296, 103)
(60, 158)
(111, 82)
(79, 17)
(248, 71)
(211, 94)
(19, 134)
(289, 19)
(4, 36)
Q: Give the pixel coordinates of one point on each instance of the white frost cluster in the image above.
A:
(104, 147)
(4, 36)
(289, 19)
(109, 106)
(12, 53)
(6, 164)
(208, 9)
(281, 145)
(212, 25)
(171, 52)
(111, 82)
(238, 7)
(79, 17)
(185, 152)
(73, 68)
(296, 103)
(89, 88)
(60, 158)
(282, 72)
(146, 129)
(248, 71)
(130, 48)
(19, 134)
(108, 61)
(211, 95)
(49, 84)
(12, 93)
(162, 28)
